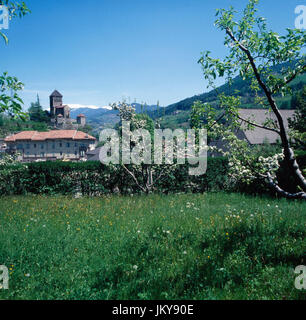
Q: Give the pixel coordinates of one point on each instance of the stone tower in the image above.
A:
(81, 120)
(60, 114)
(56, 100)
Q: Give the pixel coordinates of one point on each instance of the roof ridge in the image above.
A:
(55, 93)
(35, 132)
(75, 132)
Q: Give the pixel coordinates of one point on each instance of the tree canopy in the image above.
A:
(10, 102)
(253, 52)
(37, 113)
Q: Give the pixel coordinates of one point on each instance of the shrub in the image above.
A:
(284, 177)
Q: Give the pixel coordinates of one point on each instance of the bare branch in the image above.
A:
(251, 59)
(134, 178)
(293, 76)
(255, 124)
(217, 120)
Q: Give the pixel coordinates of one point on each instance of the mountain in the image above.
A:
(242, 88)
(100, 118)
(178, 114)
(89, 112)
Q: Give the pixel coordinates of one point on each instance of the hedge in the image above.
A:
(94, 178)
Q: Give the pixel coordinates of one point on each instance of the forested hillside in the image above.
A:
(178, 114)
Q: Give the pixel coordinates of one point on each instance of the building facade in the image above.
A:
(53, 145)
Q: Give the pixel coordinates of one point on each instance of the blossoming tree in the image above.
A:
(253, 52)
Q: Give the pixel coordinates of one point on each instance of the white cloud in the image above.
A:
(78, 106)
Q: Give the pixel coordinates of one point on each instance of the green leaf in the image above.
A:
(4, 37)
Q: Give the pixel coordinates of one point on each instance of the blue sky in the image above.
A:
(98, 51)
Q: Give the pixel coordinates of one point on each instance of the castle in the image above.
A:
(60, 114)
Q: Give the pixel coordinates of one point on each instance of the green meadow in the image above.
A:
(183, 246)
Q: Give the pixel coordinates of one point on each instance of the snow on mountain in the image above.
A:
(81, 106)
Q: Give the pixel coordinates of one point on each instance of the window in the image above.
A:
(35, 146)
(60, 144)
(28, 146)
(42, 146)
(19, 146)
(42, 154)
(53, 145)
(76, 144)
(75, 153)
(61, 153)
(68, 145)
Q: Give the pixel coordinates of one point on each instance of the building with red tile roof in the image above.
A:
(51, 145)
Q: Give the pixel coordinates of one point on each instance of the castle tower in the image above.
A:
(81, 120)
(56, 100)
(59, 121)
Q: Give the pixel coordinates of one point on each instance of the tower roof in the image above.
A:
(56, 94)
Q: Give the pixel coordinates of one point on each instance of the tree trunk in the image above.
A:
(281, 192)
(288, 153)
(290, 160)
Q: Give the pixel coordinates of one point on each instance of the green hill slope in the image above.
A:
(178, 114)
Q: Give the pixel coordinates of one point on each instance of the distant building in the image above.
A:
(257, 136)
(51, 145)
(81, 120)
(60, 114)
(260, 116)
(93, 155)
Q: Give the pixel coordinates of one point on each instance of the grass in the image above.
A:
(195, 246)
